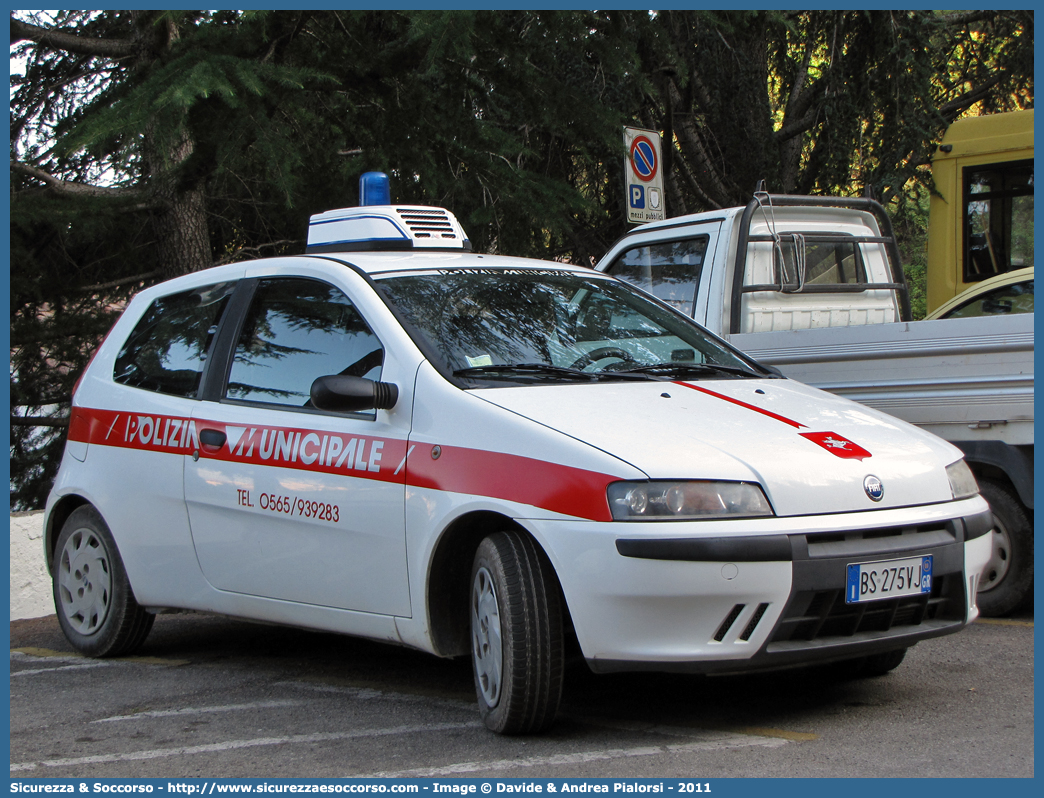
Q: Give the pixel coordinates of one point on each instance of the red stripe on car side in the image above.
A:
(87, 425)
(550, 486)
(554, 487)
(755, 408)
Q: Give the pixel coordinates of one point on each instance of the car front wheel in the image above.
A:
(92, 596)
(516, 634)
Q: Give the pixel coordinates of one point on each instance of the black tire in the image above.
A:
(880, 664)
(1007, 581)
(92, 597)
(518, 672)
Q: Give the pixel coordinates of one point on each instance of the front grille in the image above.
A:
(887, 539)
(820, 614)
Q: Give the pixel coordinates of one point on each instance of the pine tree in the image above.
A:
(822, 102)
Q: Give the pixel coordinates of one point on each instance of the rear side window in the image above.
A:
(670, 271)
(296, 331)
(168, 347)
(819, 262)
(800, 262)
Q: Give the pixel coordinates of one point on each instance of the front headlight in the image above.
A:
(962, 480)
(686, 500)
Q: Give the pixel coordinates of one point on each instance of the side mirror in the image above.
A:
(341, 392)
(772, 370)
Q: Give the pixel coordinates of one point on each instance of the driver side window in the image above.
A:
(296, 331)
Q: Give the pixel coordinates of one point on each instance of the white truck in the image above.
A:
(814, 287)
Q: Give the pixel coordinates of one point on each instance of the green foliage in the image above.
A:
(910, 225)
(510, 118)
(824, 102)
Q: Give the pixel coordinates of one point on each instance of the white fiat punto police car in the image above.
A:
(396, 438)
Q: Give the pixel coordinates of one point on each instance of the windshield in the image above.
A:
(523, 325)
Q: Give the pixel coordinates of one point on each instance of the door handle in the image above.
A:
(211, 437)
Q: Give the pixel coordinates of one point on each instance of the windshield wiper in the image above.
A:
(538, 370)
(680, 369)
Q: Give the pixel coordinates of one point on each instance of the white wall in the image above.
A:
(30, 582)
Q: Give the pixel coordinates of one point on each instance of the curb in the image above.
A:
(30, 582)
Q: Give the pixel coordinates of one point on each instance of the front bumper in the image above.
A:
(760, 594)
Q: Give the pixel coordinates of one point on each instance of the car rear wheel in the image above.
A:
(1007, 579)
(516, 634)
(92, 597)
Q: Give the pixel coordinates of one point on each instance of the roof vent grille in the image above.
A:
(428, 224)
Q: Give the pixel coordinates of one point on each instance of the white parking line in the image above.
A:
(21, 656)
(367, 693)
(361, 693)
(169, 713)
(51, 657)
(715, 742)
(230, 745)
(79, 663)
(81, 667)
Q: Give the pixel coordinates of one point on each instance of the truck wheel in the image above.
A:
(516, 634)
(92, 597)
(1007, 579)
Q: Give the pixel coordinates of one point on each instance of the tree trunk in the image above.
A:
(182, 240)
(180, 221)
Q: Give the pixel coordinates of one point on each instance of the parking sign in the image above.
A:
(643, 177)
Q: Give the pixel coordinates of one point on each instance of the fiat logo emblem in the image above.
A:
(873, 487)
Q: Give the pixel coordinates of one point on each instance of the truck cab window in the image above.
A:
(670, 271)
(998, 219)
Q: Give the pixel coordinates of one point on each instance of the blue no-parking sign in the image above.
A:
(642, 176)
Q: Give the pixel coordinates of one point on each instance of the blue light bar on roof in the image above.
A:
(374, 189)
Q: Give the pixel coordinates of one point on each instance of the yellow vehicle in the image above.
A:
(981, 221)
(1011, 292)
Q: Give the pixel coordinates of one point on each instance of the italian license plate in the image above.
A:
(872, 581)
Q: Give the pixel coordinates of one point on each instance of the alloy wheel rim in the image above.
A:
(1000, 557)
(486, 642)
(84, 581)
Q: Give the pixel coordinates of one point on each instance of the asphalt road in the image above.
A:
(213, 697)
